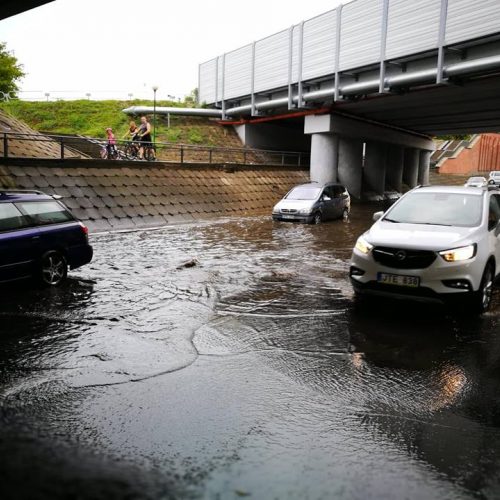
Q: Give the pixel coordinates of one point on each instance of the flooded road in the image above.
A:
(228, 359)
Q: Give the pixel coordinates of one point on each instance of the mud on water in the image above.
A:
(228, 359)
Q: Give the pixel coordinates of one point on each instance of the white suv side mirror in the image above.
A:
(377, 216)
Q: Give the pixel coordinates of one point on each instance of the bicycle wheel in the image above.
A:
(104, 153)
(149, 154)
(130, 152)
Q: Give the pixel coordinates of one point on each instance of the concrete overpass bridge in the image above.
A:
(365, 86)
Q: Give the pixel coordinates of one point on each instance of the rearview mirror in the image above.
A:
(377, 216)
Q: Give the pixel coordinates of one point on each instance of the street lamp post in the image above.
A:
(155, 88)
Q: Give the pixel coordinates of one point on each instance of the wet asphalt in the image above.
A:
(229, 359)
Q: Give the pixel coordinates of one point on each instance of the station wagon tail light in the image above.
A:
(459, 254)
(363, 246)
(85, 229)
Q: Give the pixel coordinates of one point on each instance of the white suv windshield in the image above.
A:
(440, 209)
(303, 193)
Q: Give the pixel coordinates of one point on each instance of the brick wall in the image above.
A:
(483, 155)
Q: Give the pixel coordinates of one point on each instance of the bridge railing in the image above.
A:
(14, 145)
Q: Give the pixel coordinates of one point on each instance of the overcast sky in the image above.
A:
(116, 47)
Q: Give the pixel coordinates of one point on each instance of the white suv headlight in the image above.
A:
(363, 246)
(459, 254)
(305, 211)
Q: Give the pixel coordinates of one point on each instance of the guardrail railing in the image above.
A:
(14, 145)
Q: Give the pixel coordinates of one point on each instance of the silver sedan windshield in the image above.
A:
(303, 193)
(440, 209)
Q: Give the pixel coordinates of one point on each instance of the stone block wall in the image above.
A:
(107, 197)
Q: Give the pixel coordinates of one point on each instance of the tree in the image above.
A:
(191, 99)
(10, 71)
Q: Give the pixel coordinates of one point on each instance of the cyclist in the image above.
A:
(111, 144)
(145, 138)
(133, 135)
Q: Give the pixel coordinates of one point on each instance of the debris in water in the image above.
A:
(189, 263)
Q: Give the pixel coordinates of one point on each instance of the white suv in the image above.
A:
(434, 243)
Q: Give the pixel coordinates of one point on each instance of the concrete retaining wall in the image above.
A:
(140, 195)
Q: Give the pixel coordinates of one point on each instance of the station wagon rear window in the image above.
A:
(10, 217)
(46, 212)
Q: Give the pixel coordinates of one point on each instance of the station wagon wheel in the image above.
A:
(317, 218)
(53, 268)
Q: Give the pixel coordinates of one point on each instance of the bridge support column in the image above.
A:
(424, 167)
(342, 156)
(375, 167)
(411, 166)
(337, 159)
(394, 168)
(324, 157)
(350, 172)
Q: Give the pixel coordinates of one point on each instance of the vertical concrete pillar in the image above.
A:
(374, 171)
(324, 157)
(350, 164)
(424, 167)
(394, 168)
(411, 166)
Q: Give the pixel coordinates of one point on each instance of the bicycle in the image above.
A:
(108, 153)
(111, 153)
(131, 151)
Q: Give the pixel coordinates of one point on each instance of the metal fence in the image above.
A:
(15, 145)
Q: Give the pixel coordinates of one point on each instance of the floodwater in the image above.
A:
(228, 359)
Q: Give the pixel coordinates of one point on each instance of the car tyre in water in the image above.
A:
(481, 300)
(53, 268)
(345, 214)
(317, 218)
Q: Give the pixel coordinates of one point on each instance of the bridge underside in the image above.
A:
(374, 143)
(13, 7)
(437, 110)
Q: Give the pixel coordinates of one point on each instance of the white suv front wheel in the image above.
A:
(483, 297)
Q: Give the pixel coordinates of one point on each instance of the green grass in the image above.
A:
(91, 118)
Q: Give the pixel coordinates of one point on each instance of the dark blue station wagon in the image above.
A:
(39, 238)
